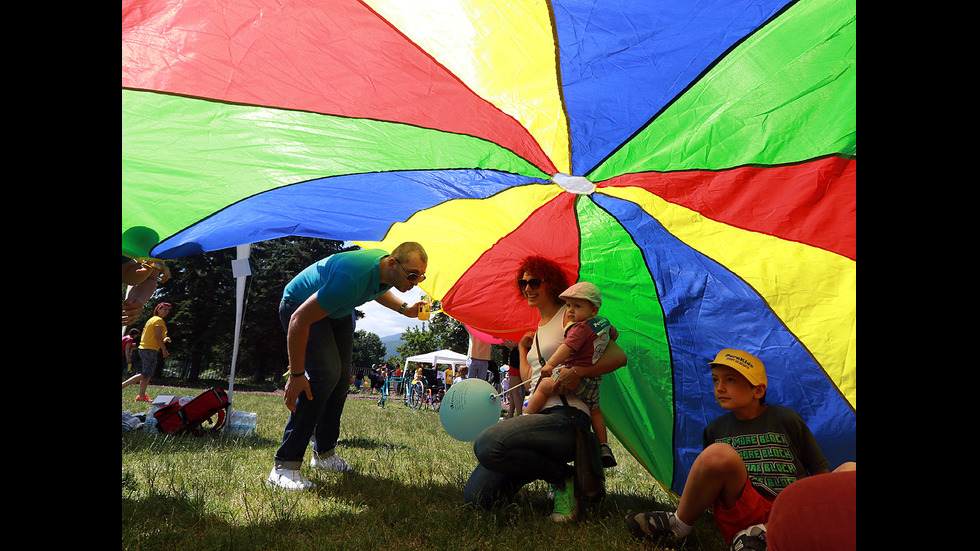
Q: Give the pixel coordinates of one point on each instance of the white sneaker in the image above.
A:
(752, 538)
(288, 479)
(332, 463)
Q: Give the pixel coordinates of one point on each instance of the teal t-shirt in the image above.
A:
(342, 282)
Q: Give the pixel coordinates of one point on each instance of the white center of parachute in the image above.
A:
(574, 184)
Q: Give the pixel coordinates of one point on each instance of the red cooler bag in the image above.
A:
(174, 418)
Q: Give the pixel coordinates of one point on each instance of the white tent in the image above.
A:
(438, 357)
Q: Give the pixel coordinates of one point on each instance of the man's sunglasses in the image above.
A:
(412, 276)
(534, 283)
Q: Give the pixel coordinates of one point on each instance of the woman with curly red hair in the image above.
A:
(544, 270)
(521, 449)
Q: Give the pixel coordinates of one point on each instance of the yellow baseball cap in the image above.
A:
(743, 362)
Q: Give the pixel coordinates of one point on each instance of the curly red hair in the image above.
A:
(156, 310)
(546, 269)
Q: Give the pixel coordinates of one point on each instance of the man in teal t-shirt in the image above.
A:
(316, 312)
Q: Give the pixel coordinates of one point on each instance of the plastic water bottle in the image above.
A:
(150, 424)
(241, 424)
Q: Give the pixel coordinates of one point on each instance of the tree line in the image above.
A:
(201, 323)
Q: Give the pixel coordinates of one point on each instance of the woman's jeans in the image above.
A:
(328, 363)
(519, 450)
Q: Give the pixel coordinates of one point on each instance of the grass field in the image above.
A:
(404, 492)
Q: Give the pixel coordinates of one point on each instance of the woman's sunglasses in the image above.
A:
(534, 283)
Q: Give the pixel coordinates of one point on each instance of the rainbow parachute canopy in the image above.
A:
(696, 160)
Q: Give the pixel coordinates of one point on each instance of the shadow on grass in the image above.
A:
(406, 492)
(140, 440)
(358, 510)
(369, 444)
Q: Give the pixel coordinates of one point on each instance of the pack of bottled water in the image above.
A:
(240, 424)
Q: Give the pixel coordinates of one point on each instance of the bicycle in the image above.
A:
(427, 391)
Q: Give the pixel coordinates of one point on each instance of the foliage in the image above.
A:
(274, 264)
(441, 333)
(202, 323)
(368, 349)
(200, 289)
(416, 340)
(449, 334)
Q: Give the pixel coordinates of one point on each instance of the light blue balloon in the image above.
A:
(468, 407)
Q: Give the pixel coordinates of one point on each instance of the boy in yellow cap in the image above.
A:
(750, 454)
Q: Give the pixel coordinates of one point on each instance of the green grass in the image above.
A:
(405, 491)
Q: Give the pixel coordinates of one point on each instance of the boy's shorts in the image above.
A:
(751, 508)
(149, 360)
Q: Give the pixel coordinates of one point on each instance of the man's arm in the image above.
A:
(143, 279)
(390, 301)
(297, 335)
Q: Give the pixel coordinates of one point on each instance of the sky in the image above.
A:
(384, 322)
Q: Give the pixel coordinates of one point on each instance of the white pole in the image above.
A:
(240, 269)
